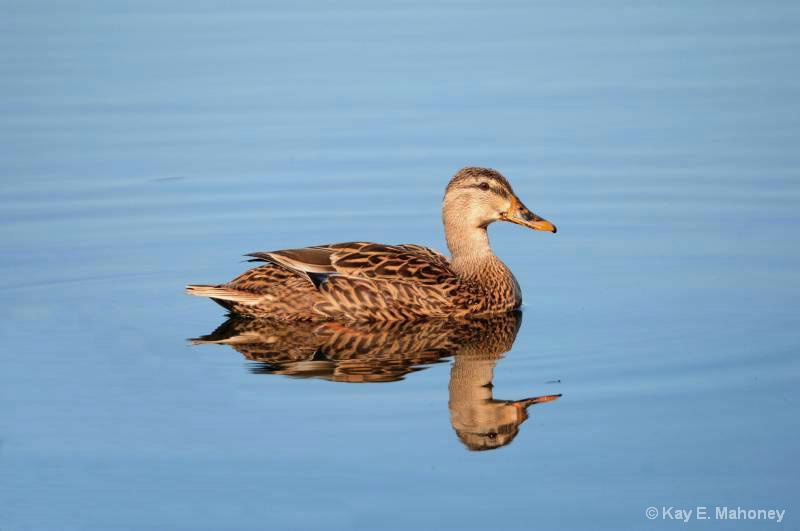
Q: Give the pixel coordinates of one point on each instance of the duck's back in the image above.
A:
(354, 281)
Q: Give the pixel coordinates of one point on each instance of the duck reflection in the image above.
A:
(387, 352)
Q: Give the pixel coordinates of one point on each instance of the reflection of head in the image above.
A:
(486, 424)
(490, 431)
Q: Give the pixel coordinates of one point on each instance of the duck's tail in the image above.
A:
(221, 293)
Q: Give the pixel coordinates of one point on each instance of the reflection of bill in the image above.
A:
(388, 351)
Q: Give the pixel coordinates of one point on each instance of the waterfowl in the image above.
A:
(362, 281)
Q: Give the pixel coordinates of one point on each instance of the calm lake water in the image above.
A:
(145, 146)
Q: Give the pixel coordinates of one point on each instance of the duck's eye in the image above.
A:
(492, 435)
(484, 186)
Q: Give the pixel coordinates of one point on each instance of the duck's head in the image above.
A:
(476, 197)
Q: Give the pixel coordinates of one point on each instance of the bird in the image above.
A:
(364, 281)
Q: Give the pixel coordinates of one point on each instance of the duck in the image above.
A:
(364, 281)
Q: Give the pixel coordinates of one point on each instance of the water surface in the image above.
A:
(147, 146)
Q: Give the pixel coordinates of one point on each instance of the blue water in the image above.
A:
(145, 146)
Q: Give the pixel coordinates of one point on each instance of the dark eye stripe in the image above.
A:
(502, 192)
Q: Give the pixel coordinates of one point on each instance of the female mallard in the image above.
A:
(361, 281)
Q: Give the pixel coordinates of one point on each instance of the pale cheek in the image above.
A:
(501, 206)
(490, 211)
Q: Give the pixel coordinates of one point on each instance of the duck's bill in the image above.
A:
(520, 215)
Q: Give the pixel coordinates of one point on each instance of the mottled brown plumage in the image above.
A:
(362, 281)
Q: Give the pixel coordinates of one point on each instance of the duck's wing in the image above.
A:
(431, 254)
(410, 263)
(361, 280)
(389, 282)
(400, 263)
(314, 263)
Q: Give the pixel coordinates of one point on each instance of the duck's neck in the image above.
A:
(473, 260)
(470, 250)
